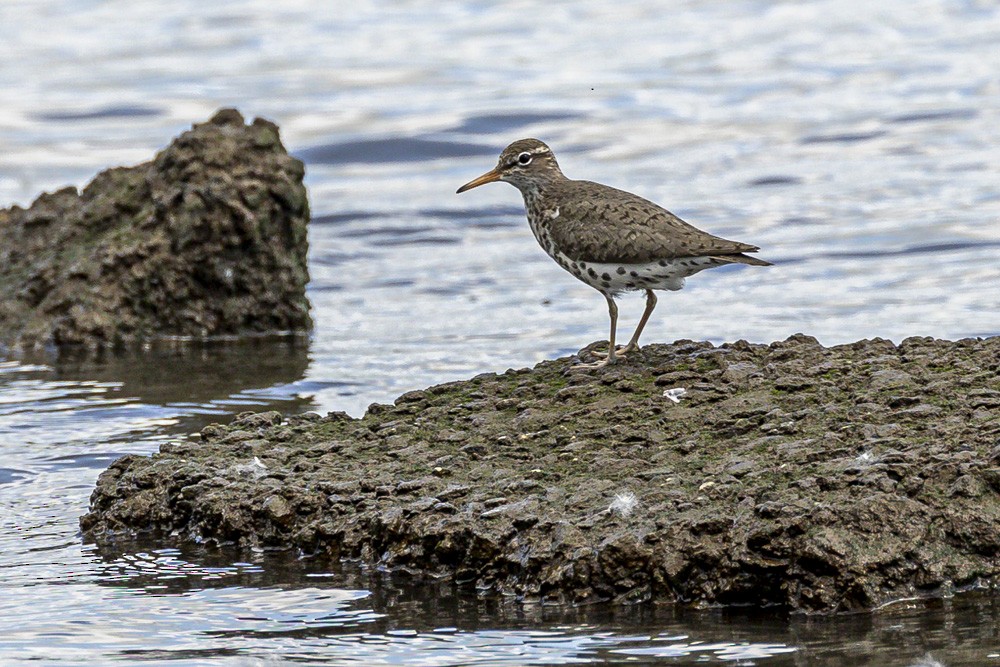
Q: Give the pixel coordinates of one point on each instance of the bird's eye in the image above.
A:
(524, 159)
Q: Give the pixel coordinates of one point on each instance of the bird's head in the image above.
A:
(525, 164)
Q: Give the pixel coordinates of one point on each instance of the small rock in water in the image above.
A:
(209, 238)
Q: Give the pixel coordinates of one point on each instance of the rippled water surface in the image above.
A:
(857, 143)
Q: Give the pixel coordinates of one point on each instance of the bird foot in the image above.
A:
(604, 358)
(606, 361)
(620, 351)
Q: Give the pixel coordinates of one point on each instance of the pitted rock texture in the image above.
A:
(207, 239)
(816, 479)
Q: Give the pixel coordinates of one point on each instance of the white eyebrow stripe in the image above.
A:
(534, 151)
(540, 150)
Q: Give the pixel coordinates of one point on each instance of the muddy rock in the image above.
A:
(810, 478)
(207, 239)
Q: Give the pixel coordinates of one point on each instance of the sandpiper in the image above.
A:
(612, 240)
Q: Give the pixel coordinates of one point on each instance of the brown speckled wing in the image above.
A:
(598, 223)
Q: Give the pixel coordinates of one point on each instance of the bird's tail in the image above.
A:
(740, 258)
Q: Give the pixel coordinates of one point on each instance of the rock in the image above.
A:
(207, 239)
(611, 492)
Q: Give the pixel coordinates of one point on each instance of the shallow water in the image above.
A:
(857, 143)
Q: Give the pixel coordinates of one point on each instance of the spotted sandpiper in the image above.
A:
(612, 240)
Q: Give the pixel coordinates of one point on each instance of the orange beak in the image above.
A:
(488, 177)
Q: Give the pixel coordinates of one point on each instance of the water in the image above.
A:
(857, 143)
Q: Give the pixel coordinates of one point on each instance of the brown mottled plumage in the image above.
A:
(642, 231)
(612, 240)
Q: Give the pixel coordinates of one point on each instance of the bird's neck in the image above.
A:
(538, 190)
(541, 204)
(532, 194)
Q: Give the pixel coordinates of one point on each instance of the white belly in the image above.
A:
(609, 278)
(667, 274)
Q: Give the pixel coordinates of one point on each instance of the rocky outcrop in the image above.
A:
(207, 239)
(815, 479)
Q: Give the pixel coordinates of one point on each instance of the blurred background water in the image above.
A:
(857, 143)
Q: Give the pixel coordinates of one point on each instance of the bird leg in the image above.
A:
(612, 355)
(633, 345)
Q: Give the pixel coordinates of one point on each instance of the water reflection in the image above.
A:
(168, 372)
(284, 608)
(173, 387)
(64, 418)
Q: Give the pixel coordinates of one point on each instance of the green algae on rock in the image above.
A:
(207, 239)
(810, 478)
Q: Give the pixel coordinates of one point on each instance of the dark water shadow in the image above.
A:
(387, 229)
(436, 240)
(765, 181)
(10, 475)
(477, 213)
(491, 123)
(189, 654)
(111, 402)
(120, 111)
(477, 216)
(391, 150)
(190, 372)
(425, 227)
(923, 249)
(959, 631)
(934, 115)
(843, 137)
(350, 216)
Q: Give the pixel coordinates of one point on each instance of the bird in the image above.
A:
(610, 239)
